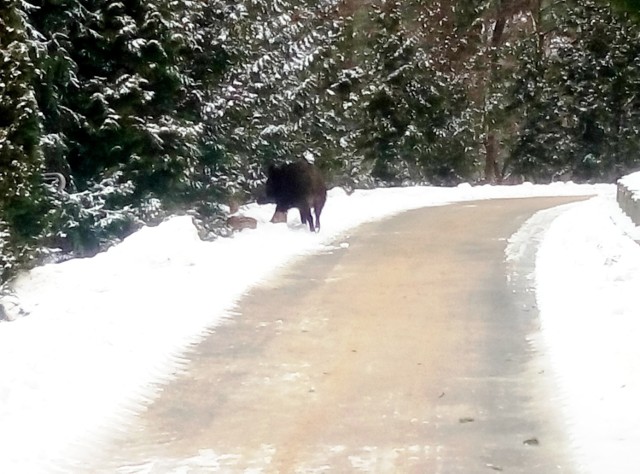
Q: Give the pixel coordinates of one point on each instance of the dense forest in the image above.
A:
(115, 114)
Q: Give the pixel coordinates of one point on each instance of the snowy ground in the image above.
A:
(102, 334)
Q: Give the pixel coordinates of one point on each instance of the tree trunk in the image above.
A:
(491, 169)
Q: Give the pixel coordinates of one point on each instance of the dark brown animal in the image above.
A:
(300, 185)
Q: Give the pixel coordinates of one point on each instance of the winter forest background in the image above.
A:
(164, 106)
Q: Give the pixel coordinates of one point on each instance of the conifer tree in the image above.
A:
(408, 107)
(119, 119)
(23, 198)
(267, 108)
(582, 123)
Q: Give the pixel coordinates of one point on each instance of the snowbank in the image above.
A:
(632, 183)
(629, 196)
(587, 280)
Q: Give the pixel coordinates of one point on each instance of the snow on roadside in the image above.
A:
(632, 183)
(587, 281)
(104, 333)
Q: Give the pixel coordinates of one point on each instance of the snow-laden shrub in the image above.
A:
(86, 222)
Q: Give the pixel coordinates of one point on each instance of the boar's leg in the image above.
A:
(279, 216)
(306, 217)
(317, 208)
(303, 217)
